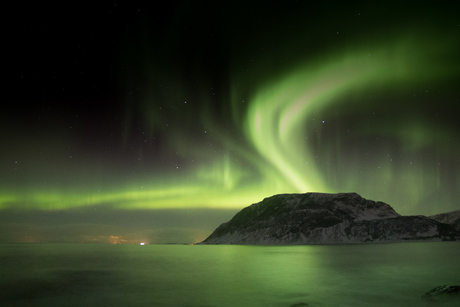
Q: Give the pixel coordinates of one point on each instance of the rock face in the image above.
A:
(443, 294)
(456, 225)
(319, 218)
(446, 218)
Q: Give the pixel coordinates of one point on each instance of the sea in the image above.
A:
(396, 274)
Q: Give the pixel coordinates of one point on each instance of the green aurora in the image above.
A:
(373, 116)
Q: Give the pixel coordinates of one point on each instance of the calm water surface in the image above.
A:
(184, 275)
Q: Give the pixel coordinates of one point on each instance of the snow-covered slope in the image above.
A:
(319, 218)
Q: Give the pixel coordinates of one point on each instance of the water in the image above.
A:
(184, 275)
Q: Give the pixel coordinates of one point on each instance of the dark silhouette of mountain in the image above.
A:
(319, 218)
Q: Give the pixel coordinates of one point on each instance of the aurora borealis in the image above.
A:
(157, 123)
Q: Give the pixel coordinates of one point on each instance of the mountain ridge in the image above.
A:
(447, 217)
(323, 218)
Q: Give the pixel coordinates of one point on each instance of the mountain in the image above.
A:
(320, 218)
(446, 218)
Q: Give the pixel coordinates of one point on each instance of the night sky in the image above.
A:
(157, 122)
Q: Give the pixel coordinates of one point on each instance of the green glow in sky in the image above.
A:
(159, 122)
(277, 119)
(279, 153)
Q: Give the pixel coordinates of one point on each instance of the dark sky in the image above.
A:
(157, 122)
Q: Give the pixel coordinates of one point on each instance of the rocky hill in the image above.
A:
(446, 218)
(319, 218)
